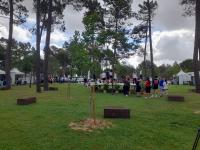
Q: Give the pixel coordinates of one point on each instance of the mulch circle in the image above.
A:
(197, 112)
(89, 125)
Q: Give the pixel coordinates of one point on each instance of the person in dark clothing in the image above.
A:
(155, 84)
(107, 75)
(138, 87)
(126, 87)
(85, 81)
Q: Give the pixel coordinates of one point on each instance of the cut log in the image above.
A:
(26, 101)
(116, 112)
(53, 89)
(177, 98)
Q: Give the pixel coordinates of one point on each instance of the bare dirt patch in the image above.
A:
(197, 112)
(90, 125)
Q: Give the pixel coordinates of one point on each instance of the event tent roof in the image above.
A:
(181, 73)
(2, 72)
(16, 71)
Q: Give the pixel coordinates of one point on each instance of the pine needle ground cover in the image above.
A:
(155, 124)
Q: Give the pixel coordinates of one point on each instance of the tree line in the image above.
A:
(108, 36)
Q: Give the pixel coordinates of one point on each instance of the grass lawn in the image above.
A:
(155, 124)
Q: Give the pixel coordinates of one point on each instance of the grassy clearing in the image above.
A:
(155, 124)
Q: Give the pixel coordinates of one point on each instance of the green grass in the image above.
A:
(155, 124)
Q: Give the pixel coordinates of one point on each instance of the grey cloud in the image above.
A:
(175, 46)
(170, 16)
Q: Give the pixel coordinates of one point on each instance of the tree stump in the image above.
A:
(53, 89)
(26, 101)
(116, 112)
(176, 98)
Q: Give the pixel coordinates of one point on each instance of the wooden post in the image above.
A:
(68, 91)
(93, 104)
(90, 102)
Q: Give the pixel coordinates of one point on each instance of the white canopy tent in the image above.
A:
(183, 77)
(15, 74)
(103, 75)
(2, 72)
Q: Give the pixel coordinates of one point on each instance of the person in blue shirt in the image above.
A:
(161, 86)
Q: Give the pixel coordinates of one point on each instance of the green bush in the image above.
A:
(106, 87)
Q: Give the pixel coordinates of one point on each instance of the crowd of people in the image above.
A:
(149, 88)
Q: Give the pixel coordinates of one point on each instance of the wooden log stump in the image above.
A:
(177, 98)
(116, 112)
(53, 89)
(26, 101)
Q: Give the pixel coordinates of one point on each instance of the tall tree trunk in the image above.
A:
(113, 70)
(196, 54)
(150, 41)
(38, 79)
(47, 47)
(30, 80)
(115, 53)
(9, 47)
(145, 52)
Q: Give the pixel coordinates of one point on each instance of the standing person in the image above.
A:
(138, 87)
(134, 84)
(161, 86)
(147, 88)
(85, 81)
(1, 83)
(155, 87)
(142, 81)
(165, 87)
(126, 87)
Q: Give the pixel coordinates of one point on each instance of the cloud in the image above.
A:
(168, 46)
(73, 20)
(19, 33)
(134, 60)
(58, 37)
(3, 31)
(169, 16)
(174, 45)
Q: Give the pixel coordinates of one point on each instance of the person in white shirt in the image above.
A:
(165, 87)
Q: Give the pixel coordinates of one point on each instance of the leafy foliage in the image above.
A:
(20, 12)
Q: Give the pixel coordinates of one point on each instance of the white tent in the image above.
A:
(15, 74)
(134, 75)
(2, 72)
(16, 71)
(103, 75)
(183, 77)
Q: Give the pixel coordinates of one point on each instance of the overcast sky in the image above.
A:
(173, 34)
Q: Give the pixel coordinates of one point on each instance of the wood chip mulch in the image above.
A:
(89, 125)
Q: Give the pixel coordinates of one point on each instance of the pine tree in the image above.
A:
(117, 13)
(93, 21)
(17, 15)
(145, 14)
(50, 16)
